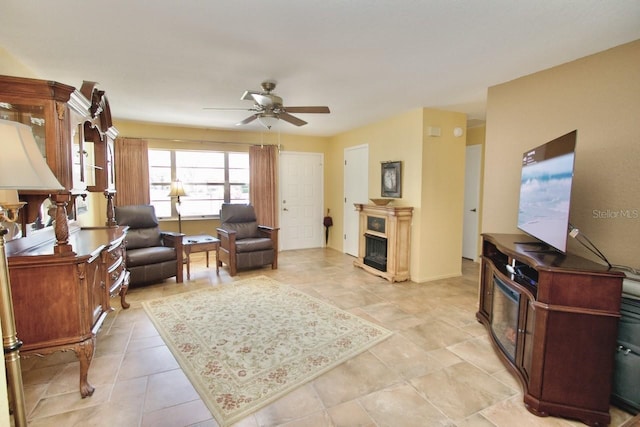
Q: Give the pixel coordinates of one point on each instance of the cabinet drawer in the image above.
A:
(115, 276)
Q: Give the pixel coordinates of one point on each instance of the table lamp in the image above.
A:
(22, 167)
(177, 190)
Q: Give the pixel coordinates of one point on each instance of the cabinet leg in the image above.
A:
(84, 352)
(123, 295)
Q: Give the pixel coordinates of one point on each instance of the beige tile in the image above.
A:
(356, 377)
(444, 356)
(69, 402)
(388, 314)
(475, 420)
(360, 298)
(44, 375)
(294, 405)
(461, 390)
(112, 343)
(167, 389)
(479, 352)
(350, 414)
(506, 377)
(32, 395)
(404, 357)
(401, 402)
(438, 357)
(146, 362)
(512, 412)
(138, 344)
(435, 334)
(184, 414)
(102, 373)
(316, 419)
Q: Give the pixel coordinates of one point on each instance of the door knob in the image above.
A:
(473, 210)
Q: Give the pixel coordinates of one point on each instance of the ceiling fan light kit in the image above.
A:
(268, 120)
(268, 108)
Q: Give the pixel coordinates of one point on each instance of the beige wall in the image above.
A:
(432, 183)
(398, 138)
(164, 136)
(436, 231)
(443, 167)
(598, 95)
(9, 66)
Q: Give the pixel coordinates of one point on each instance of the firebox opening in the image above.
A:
(375, 252)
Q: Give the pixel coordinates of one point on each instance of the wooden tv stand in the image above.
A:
(557, 328)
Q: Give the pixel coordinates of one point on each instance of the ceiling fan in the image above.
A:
(268, 107)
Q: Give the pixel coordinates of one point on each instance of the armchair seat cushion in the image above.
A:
(254, 244)
(151, 255)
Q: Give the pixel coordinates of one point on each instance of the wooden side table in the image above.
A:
(200, 243)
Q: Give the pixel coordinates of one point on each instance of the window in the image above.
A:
(210, 178)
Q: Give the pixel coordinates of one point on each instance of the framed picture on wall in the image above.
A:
(391, 179)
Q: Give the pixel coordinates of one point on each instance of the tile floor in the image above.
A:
(438, 369)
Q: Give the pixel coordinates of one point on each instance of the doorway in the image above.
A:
(356, 190)
(472, 177)
(301, 200)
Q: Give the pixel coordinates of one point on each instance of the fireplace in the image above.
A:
(384, 241)
(375, 252)
(504, 320)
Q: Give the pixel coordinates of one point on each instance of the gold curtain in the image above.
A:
(263, 182)
(132, 172)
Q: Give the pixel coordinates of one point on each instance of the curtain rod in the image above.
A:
(202, 141)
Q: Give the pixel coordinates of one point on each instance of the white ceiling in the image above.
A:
(164, 60)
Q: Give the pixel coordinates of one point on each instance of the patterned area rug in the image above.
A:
(246, 344)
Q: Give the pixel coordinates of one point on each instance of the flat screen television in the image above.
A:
(545, 191)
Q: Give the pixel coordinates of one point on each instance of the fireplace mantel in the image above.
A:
(392, 223)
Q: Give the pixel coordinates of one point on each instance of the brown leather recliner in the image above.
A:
(151, 255)
(244, 243)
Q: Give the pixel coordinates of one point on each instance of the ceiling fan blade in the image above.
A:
(316, 109)
(227, 109)
(248, 120)
(291, 119)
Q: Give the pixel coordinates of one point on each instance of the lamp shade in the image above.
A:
(177, 190)
(22, 166)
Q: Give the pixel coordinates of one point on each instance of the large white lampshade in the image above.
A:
(22, 166)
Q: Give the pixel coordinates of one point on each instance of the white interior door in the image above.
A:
(301, 200)
(473, 162)
(356, 190)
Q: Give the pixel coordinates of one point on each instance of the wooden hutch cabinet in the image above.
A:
(62, 277)
(74, 132)
(553, 318)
